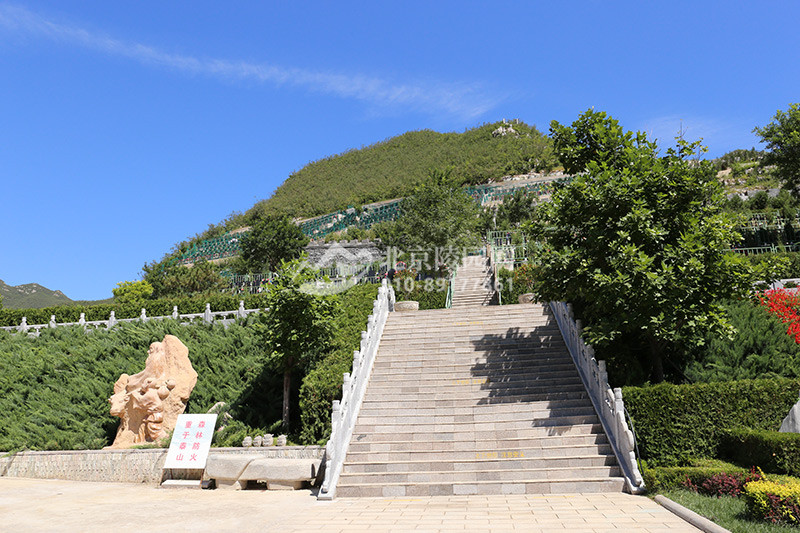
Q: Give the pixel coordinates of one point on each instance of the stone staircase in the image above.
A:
(473, 283)
(476, 400)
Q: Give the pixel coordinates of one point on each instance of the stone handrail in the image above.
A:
(345, 412)
(208, 316)
(608, 403)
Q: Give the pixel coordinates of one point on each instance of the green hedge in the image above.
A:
(769, 450)
(161, 307)
(675, 423)
(661, 478)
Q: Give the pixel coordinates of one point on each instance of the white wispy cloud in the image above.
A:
(466, 100)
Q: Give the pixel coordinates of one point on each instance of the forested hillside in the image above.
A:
(30, 295)
(391, 168)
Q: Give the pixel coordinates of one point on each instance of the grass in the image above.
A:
(726, 511)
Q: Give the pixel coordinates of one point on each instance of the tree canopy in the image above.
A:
(170, 280)
(132, 291)
(637, 241)
(440, 215)
(782, 136)
(270, 241)
(296, 327)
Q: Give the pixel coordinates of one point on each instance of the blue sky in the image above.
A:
(127, 128)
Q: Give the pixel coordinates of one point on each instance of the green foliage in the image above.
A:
(323, 383)
(54, 389)
(739, 155)
(782, 136)
(160, 307)
(270, 241)
(132, 291)
(773, 501)
(596, 139)
(393, 168)
(515, 283)
(760, 348)
(511, 214)
(637, 242)
(674, 423)
(430, 293)
(172, 280)
(296, 327)
(771, 451)
(661, 478)
(439, 215)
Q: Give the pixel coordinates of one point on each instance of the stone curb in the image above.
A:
(700, 522)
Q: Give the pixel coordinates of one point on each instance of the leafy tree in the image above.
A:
(439, 214)
(637, 241)
(782, 136)
(271, 240)
(296, 328)
(596, 138)
(170, 280)
(132, 291)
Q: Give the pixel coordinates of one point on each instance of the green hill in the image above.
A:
(31, 295)
(391, 168)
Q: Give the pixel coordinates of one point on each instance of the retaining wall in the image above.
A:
(128, 466)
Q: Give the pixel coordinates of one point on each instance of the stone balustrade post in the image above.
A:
(207, 318)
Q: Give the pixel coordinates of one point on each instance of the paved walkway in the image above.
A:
(32, 505)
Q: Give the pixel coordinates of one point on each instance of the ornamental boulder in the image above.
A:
(148, 403)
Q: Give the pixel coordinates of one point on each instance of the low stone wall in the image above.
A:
(128, 466)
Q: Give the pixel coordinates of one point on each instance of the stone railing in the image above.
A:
(208, 317)
(345, 412)
(608, 403)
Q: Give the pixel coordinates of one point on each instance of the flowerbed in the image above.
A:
(783, 304)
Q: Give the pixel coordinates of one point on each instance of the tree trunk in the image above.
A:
(656, 360)
(287, 381)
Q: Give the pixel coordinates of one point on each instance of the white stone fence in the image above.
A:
(208, 317)
(345, 412)
(608, 403)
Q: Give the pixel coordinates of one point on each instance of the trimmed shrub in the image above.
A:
(771, 501)
(677, 422)
(772, 451)
(693, 476)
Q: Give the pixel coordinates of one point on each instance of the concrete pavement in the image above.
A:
(33, 505)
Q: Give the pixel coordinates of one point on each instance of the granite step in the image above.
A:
(564, 485)
(489, 459)
(555, 444)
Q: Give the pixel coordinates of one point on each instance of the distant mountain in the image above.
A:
(31, 295)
